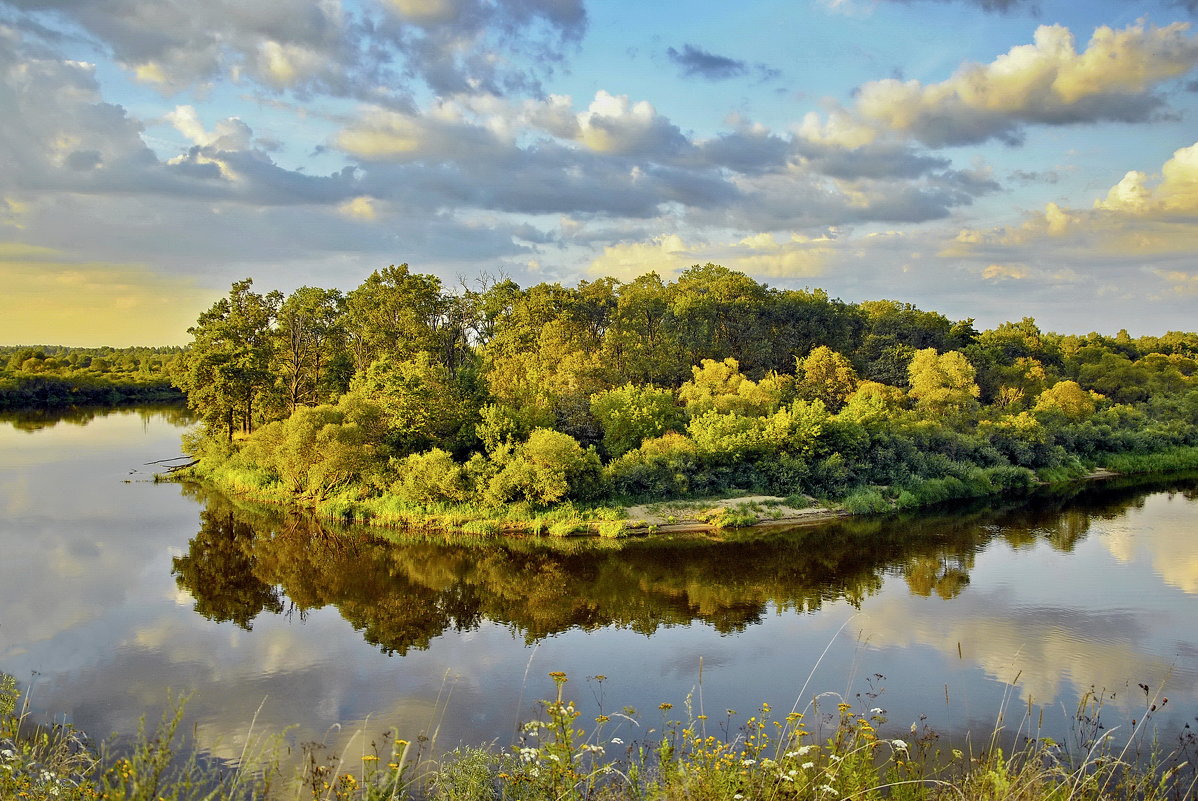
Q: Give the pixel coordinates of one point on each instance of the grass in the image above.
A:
(1169, 461)
(825, 751)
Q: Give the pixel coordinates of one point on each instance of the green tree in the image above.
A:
(827, 376)
(310, 337)
(397, 313)
(1068, 400)
(421, 405)
(226, 369)
(942, 384)
(631, 414)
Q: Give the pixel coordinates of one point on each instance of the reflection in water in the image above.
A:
(31, 420)
(401, 595)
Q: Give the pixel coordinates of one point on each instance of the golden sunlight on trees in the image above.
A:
(942, 384)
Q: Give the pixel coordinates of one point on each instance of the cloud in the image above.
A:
(613, 124)
(994, 6)
(665, 255)
(360, 208)
(1139, 215)
(326, 47)
(1045, 83)
(1005, 272)
(1182, 282)
(699, 63)
(759, 255)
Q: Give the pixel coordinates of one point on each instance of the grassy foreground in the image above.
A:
(827, 751)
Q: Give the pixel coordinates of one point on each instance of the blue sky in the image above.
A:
(985, 158)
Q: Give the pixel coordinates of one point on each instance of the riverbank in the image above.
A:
(731, 510)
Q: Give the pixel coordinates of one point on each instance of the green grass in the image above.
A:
(1169, 461)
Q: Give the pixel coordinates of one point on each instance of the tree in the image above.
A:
(226, 369)
(827, 376)
(942, 384)
(310, 335)
(631, 414)
(396, 313)
(1068, 400)
(421, 405)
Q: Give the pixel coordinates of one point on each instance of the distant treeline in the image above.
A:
(401, 398)
(53, 376)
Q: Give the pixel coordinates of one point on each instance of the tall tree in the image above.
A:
(310, 335)
(226, 369)
(396, 313)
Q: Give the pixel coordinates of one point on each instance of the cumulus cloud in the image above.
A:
(1047, 82)
(1141, 214)
(613, 124)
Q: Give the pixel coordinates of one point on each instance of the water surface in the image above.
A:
(114, 590)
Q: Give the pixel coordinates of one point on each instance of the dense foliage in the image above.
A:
(402, 392)
(53, 376)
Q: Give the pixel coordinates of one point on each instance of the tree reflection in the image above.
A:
(401, 592)
(31, 420)
(218, 570)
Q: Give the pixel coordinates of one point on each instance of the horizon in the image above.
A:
(980, 159)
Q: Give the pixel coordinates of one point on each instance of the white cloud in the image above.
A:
(613, 124)
(1047, 82)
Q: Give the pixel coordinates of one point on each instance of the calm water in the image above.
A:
(114, 589)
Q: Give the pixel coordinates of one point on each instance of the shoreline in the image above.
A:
(693, 516)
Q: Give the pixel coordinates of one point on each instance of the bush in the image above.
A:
(866, 501)
(431, 477)
(550, 467)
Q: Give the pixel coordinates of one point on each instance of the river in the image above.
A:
(115, 590)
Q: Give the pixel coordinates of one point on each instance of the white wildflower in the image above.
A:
(617, 741)
(748, 762)
(898, 745)
(808, 765)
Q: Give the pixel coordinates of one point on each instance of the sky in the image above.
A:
(987, 159)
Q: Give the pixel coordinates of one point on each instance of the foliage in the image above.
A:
(631, 414)
(549, 467)
(400, 396)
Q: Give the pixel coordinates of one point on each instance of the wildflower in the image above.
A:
(602, 719)
(617, 741)
(877, 710)
(528, 754)
(665, 706)
(748, 762)
(808, 765)
(558, 676)
(370, 758)
(898, 745)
